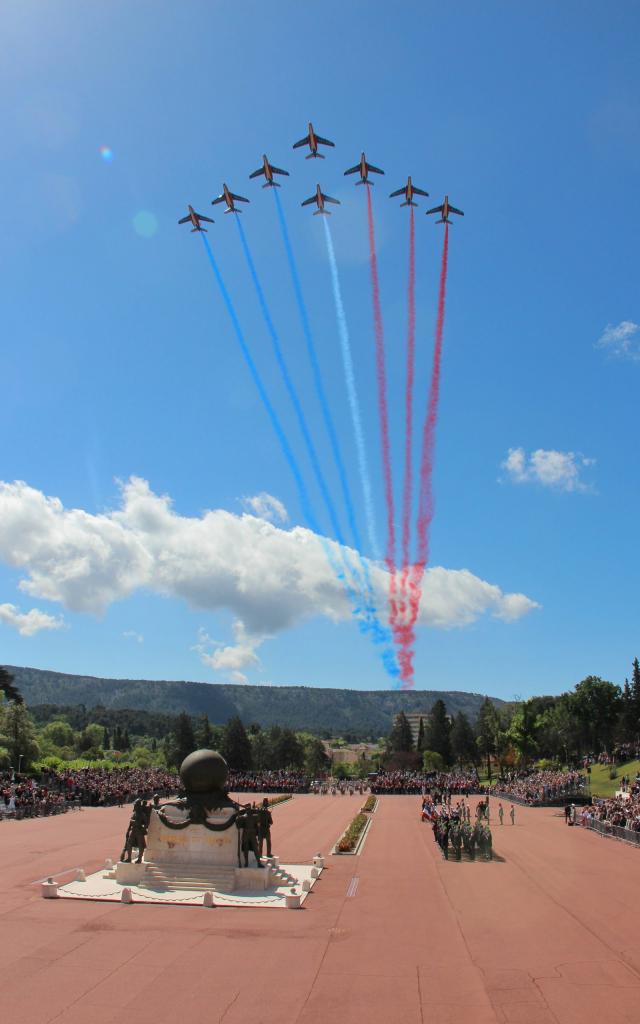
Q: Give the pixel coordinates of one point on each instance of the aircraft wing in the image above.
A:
(218, 199)
(400, 192)
(376, 170)
(303, 142)
(278, 170)
(185, 219)
(256, 174)
(325, 142)
(420, 191)
(241, 199)
(209, 220)
(436, 209)
(329, 199)
(353, 170)
(307, 202)
(452, 209)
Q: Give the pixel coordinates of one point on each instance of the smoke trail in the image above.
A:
(426, 503)
(352, 393)
(382, 391)
(408, 414)
(290, 458)
(317, 376)
(379, 633)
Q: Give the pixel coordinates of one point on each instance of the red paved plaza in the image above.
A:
(547, 934)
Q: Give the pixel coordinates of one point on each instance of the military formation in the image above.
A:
(455, 833)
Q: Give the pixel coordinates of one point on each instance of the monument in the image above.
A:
(203, 839)
(202, 848)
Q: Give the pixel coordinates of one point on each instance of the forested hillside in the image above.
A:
(330, 711)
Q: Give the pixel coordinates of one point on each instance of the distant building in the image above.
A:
(351, 754)
(414, 718)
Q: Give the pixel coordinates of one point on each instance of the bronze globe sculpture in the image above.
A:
(204, 771)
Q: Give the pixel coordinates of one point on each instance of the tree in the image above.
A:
(432, 761)
(204, 733)
(106, 739)
(463, 741)
(182, 742)
(420, 742)
(400, 739)
(18, 735)
(595, 703)
(58, 734)
(236, 747)
(523, 730)
(7, 686)
(438, 732)
(316, 759)
(487, 729)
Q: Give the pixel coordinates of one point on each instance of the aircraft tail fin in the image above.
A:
(317, 156)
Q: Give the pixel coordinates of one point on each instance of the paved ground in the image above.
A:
(549, 934)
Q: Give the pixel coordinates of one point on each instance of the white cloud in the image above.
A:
(622, 341)
(28, 623)
(559, 470)
(230, 658)
(270, 578)
(131, 634)
(265, 506)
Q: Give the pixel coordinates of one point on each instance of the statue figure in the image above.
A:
(265, 821)
(247, 823)
(136, 832)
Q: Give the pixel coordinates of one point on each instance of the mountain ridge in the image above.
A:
(316, 709)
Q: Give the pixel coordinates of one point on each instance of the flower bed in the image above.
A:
(369, 805)
(280, 799)
(352, 835)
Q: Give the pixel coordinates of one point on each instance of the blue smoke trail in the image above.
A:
(380, 634)
(369, 612)
(279, 431)
(293, 395)
(352, 393)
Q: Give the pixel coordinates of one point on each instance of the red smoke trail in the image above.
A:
(425, 504)
(382, 408)
(408, 415)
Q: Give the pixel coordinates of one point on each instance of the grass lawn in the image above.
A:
(602, 785)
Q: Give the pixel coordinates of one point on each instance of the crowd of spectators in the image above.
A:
(440, 783)
(540, 787)
(281, 781)
(621, 810)
(55, 792)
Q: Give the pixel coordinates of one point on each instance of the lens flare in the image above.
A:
(106, 153)
(145, 224)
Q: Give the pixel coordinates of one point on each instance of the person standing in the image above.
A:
(265, 821)
(501, 814)
(512, 814)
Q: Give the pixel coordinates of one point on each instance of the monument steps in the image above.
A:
(193, 876)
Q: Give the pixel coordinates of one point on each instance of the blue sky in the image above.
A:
(118, 359)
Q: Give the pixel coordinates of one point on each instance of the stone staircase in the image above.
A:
(204, 877)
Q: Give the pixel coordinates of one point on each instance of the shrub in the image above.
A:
(351, 836)
(369, 805)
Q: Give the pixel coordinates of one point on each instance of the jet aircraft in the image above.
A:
(268, 170)
(195, 219)
(445, 210)
(363, 169)
(313, 141)
(320, 199)
(228, 197)
(408, 191)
